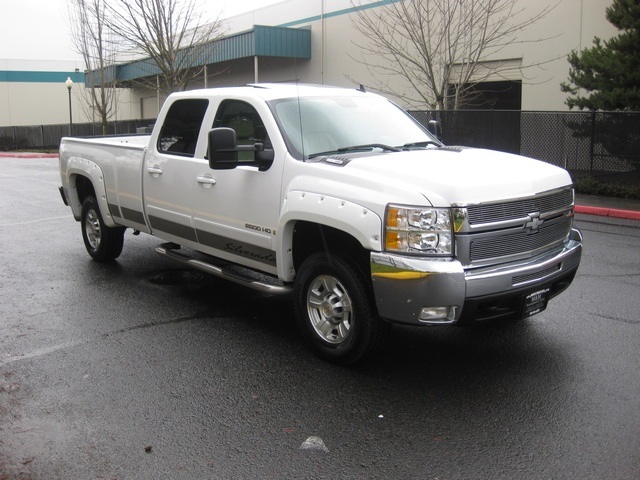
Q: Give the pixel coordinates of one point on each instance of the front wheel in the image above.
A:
(335, 309)
(103, 243)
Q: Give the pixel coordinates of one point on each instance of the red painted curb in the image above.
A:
(608, 212)
(27, 155)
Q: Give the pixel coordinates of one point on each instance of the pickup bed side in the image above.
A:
(109, 170)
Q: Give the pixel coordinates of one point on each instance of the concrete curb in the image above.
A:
(608, 212)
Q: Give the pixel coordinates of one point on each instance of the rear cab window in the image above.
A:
(181, 128)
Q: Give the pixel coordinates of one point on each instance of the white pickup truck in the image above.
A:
(337, 197)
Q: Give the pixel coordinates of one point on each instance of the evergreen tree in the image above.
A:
(610, 70)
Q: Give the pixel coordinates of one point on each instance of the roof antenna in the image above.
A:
(362, 89)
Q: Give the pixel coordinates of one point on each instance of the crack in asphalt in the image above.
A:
(66, 345)
(616, 319)
(38, 220)
(41, 352)
(196, 316)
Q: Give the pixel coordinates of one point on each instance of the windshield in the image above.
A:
(313, 126)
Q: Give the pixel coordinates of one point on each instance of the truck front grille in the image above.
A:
(519, 279)
(502, 244)
(492, 213)
(494, 233)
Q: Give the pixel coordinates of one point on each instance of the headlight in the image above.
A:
(418, 230)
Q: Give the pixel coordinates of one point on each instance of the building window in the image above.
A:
(500, 95)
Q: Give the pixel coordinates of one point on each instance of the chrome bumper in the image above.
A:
(404, 286)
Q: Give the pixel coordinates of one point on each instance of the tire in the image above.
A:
(335, 310)
(103, 243)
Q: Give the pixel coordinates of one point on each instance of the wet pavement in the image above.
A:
(141, 369)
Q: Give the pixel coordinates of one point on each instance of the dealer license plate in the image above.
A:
(535, 302)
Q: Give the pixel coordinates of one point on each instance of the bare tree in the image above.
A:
(439, 48)
(90, 39)
(173, 35)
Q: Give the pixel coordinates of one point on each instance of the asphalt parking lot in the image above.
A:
(143, 370)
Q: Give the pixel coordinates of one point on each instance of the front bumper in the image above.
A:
(405, 286)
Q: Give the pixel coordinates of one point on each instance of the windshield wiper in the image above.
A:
(370, 146)
(356, 148)
(424, 143)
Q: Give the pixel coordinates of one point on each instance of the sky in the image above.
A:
(39, 29)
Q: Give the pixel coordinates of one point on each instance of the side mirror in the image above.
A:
(435, 128)
(223, 148)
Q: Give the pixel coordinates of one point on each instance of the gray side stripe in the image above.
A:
(183, 231)
(114, 211)
(258, 254)
(133, 215)
(225, 244)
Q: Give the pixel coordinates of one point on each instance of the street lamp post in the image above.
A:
(69, 84)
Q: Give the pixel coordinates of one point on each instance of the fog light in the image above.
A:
(437, 314)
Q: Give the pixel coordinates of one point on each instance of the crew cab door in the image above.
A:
(236, 211)
(170, 170)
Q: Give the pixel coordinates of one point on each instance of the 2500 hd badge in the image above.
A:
(259, 229)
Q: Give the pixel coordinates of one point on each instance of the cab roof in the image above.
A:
(273, 91)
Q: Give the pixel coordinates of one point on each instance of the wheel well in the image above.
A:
(84, 187)
(309, 238)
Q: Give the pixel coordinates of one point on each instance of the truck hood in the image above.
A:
(461, 175)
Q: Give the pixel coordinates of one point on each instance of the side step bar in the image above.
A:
(240, 275)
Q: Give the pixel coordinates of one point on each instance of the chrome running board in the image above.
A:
(229, 271)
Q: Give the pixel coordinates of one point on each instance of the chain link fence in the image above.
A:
(48, 136)
(602, 145)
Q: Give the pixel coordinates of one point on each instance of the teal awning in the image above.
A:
(260, 41)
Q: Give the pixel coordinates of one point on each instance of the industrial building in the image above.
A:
(310, 41)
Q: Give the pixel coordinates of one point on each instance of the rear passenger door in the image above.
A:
(169, 172)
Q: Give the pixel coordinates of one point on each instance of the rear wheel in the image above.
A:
(335, 309)
(103, 243)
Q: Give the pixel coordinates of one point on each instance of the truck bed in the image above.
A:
(114, 164)
(139, 141)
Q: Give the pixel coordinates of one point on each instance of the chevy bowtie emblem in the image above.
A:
(534, 223)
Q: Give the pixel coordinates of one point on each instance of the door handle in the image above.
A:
(156, 171)
(206, 181)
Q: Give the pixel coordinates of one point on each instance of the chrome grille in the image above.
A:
(491, 213)
(507, 243)
(536, 275)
